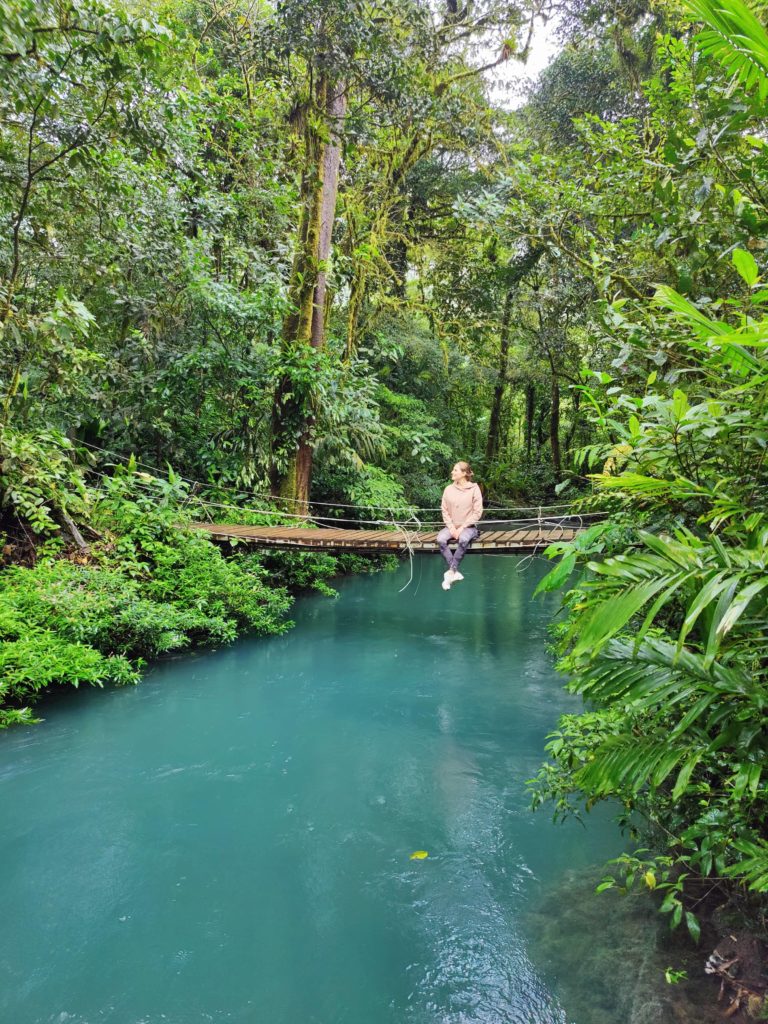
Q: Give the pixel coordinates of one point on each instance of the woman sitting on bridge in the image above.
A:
(462, 507)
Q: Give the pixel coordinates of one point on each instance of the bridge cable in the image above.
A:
(324, 504)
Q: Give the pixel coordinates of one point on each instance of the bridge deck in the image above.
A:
(510, 541)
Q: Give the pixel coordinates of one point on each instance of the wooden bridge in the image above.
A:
(529, 537)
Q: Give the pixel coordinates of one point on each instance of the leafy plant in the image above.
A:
(666, 639)
(736, 38)
(39, 481)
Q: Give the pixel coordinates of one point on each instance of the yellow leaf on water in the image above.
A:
(419, 855)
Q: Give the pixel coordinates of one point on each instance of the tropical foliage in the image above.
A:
(261, 260)
(666, 629)
(666, 636)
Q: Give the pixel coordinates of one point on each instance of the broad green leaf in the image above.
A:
(693, 713)
(745, 264)
(557, 576)
(684, 775)
(734, 36)
(721, 609)
(610, 616)
(740, 603)
(711, 590)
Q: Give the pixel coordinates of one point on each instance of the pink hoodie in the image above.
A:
(461, 506)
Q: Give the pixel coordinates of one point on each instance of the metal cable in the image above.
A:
(325, 504)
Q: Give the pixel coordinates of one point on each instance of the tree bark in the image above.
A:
(355, 306)
(530, 412)
(554, 414)
(71, 526)
(575, 420)
(492, 444)
(305, 325)
(554, 428)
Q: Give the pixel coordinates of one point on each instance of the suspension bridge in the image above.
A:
(395, 540)
(321, 533)
(329, 526)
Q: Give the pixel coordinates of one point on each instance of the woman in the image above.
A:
(462, 507)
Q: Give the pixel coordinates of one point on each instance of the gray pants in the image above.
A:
(466, 537)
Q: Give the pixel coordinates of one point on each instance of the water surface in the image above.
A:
(230, 841)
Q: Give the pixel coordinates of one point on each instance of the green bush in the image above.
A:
(667, 627)
(313, 570)
(102, 608)
(296, 570)
(152, 587)
(195, 576)
(38, 480)
(41, 659)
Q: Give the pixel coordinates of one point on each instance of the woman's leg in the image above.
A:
(442, 542)
(465, 539)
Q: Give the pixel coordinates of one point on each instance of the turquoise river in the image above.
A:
(231, 840)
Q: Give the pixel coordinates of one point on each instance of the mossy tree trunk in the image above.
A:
(530, 412)
(554, 428)
(304, 327)
(494, 427)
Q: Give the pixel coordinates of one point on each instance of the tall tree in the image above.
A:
(378, 51)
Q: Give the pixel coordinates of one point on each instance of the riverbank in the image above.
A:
(146, 587)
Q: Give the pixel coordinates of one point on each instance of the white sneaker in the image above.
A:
(456, 576)
(447, 579)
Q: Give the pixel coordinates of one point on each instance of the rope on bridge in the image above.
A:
(409, 539)
(402, 526)
(329, 521)
(410, 509)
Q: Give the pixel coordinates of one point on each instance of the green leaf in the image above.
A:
(684, 775)
(735, 37)
(730, 618)
(746, 266)
(607, 618)
(557, 577)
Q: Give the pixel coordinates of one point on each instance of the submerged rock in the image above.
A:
(605, 956)
(739, 963)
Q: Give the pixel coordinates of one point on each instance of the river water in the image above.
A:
(231, 841)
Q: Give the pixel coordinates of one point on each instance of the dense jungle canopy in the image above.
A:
(302, 249)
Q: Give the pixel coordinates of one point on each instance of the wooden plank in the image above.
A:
(520, 539)
(519, 536)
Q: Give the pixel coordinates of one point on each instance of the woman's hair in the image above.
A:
(466, 469)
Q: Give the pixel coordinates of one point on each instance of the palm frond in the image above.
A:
(625, 764)
(735, 37)
(753, 865)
